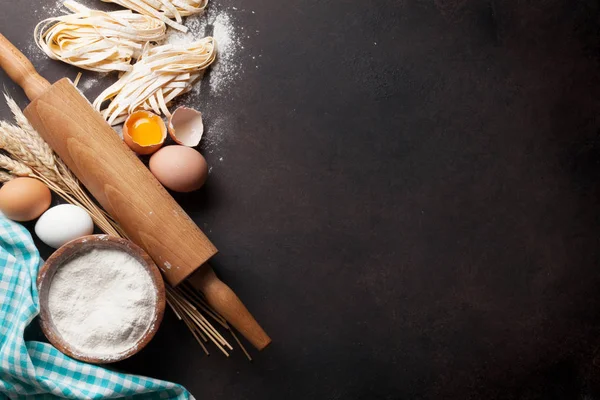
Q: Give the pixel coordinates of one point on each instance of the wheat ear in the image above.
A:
(33, 141)
(14, 167)
(27, 149)
(5, 176)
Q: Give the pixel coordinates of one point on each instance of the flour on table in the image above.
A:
(196, 25)
(90, 80)
(221, 76)
(216, 130)
(42, 11)
(225, 70)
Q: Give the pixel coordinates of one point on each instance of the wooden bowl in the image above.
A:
(66, 253)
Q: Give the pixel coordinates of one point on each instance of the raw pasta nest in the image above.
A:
(165, 10)
(161, 74)
(97, 40)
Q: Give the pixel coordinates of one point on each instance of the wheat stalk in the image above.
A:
(5, 176)
(32, 139)
(38, 154)
(15, 167)
(23, 147)
(46, 163)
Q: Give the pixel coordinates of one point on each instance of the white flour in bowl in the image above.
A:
(102, 302)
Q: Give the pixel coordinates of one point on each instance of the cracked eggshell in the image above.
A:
(139, 148)
(186, 127)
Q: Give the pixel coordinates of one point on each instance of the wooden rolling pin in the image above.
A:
(125, 188)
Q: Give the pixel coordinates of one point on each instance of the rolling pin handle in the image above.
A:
(225, 302)
(21, 70)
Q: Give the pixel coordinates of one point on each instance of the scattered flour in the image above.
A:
(226, 69)
(88, 83)
(89, 80)
(197, 27)
(216, 128)
(222, 75)
(32, 51)
(220, 25)
(102, 302)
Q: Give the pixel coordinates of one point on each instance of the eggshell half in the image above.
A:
(186, 126)
(137, 147)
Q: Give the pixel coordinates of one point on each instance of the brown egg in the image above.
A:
(179, 168)
(144, 132)
(24, 199)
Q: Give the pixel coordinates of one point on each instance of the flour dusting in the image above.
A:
(216, 130)
(43, 11)
(221, 76)
(226, 69)
(220, 25)
(90, 80)
(197, 27)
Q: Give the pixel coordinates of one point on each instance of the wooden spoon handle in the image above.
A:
(20, 70)
(225, 302)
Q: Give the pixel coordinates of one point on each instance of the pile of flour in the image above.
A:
(102, 302)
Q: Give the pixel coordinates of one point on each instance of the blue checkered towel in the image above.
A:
(34, 370)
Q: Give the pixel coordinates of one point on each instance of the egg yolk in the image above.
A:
(145, 131)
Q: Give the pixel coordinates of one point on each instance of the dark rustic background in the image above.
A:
(408, 201)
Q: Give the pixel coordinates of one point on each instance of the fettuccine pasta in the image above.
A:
(161, 74)
(165, 10)
(97, 40)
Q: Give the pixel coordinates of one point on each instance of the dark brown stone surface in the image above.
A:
(408, 201)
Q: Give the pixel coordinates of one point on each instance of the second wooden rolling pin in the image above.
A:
(125, 187)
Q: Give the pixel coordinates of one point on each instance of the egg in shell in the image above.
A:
(186, 127)
(24, 199)
(63, 223)
(179, 168)
(144, 132)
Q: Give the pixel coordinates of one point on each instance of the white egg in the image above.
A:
(63, 223)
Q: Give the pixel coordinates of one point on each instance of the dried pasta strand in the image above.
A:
(77, 79)
(161, 74)
(96, 40)
(165, 10)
